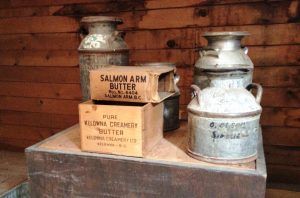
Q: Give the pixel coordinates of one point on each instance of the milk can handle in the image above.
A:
(259, 91)
(196, 92)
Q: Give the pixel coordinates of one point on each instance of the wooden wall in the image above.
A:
(39, 76)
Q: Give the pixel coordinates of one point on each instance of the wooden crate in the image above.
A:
(58, 168)
(129, 129)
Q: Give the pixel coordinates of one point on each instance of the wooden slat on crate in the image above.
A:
(25, 132)
(282, 155)
(45, 120)
(54, 41)
(281, 136)
(277, 116)
(57, 106)
(281, 193)
(218, 15)
(43, 90)
(43, 24)
(40, 74)
(281, 97)
(277, 76)
(39, 58)
(283, 174)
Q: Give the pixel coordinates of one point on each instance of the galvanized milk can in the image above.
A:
(171, 104)
(223, 62)
(223, 124)
(102, 46)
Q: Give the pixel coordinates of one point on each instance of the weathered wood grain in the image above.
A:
(29, 11)
(39, 58)
(283, 174)
(273, 34)
(281, 193)
(54, 41)
(276, 116)
(43, 24)
(42, 90)
(282, 155)
(56, 106)
(281, 136)
(40, 74)
(25, 132)
(277, 76)
(44, 120)
(15, 144)
(218, 15)
(281, 97)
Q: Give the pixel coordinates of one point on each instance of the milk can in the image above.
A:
(223, 62)
(102, 46)
(171, 104)
(223, 124)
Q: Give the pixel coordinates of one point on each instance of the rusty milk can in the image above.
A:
(102, 46)
(223, 124)
(171, 104)
(223, 62)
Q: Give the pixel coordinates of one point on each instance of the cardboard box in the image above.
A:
(132, 83)
(129, 129)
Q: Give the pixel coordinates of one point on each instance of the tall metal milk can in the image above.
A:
(102, 46)
(171, 104)
(223, 62)
(223, 124)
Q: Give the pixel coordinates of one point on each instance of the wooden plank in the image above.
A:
(281, 97)
(30, 11)
(181, 57)
(281, 136)
(277, 76)
(276, 34)
(40, 74)
(39, 58)
(283, 174)
(30, 3)
(45, 120)
(129, 5)
(276, 116)
(271, 34)
(43, 24)
(54, 41)
(275, 55)
(218, 15)
(15, 144)
(25, 132)
(280, 193)
(282, 155)
(41, 105)
(43, 90)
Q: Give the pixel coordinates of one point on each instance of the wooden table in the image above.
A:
(58, 168)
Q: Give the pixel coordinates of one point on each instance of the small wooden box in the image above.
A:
(129, 129)
(132, 83)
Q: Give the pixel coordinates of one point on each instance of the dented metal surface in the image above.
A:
(224, 61)
(103, 46)
(223, 124)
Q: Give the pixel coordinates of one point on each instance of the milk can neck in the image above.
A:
(224, 43)
(102, 28)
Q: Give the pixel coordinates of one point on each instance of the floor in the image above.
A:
(13, 173)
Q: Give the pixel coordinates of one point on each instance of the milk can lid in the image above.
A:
(226, 102)
(92, 19)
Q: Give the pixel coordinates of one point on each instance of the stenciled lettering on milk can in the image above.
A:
(224, 124)
(103, 46)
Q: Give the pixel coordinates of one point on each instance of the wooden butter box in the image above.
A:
(129, 129)
(132, 83)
